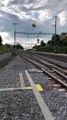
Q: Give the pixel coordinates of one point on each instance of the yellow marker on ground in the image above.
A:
(38, 86)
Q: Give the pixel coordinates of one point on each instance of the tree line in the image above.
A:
(0, 40)
(57, 43)
(18, 46)
(55, 40)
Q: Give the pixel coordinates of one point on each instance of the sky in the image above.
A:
(28, 12)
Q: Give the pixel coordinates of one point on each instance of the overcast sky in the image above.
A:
(27, 12)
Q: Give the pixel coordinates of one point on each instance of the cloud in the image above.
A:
(23, 9)
(63, 18)
(5, 2)
(6, 38)
(27, 12)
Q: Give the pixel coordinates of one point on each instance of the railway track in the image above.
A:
(60, 61)
(50, 65)
(51, 70)
(56, 56)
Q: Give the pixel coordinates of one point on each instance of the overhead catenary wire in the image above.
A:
(52, 8)
(51, 19)
(50, 23)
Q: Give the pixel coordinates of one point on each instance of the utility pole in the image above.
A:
(55, 33)
(14, 33)
(55, 25)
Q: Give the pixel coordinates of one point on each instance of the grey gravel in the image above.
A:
(22, 105)
(9, 76)
(42, 79)
(19, 105)
(55, 100)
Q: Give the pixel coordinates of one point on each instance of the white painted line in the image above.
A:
(66, 95)
(48, 78)
(61, 90)
(12, 89)
(45, 110)
(35, 71)
(21, 80)
(56, 85)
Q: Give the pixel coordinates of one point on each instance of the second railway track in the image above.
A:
(51, 70)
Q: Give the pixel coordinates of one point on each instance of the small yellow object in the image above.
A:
(38, 86)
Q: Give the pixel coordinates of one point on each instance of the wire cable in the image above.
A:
(65, 5)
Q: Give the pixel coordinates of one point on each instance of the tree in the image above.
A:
(49, 42)
(18, 46)
(33, 25)
(55, 39)
(35, 46)
(38, 41)
(63, 42)
(0, 40)
(42, 43)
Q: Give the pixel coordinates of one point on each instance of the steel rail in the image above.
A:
(41, 66)
(54, 58)
(61, 74)
(55, 68)
(46, 63)
(55, 78)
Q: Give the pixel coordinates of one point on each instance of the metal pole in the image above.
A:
(14, 33)
(55, 33)
(55, 24)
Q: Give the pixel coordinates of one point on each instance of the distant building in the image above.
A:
(63, 35)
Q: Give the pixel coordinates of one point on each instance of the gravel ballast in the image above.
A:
(55, 99)
(9, 76)
(19, 105)
(22, 105)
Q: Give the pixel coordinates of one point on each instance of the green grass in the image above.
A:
(4, 49)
